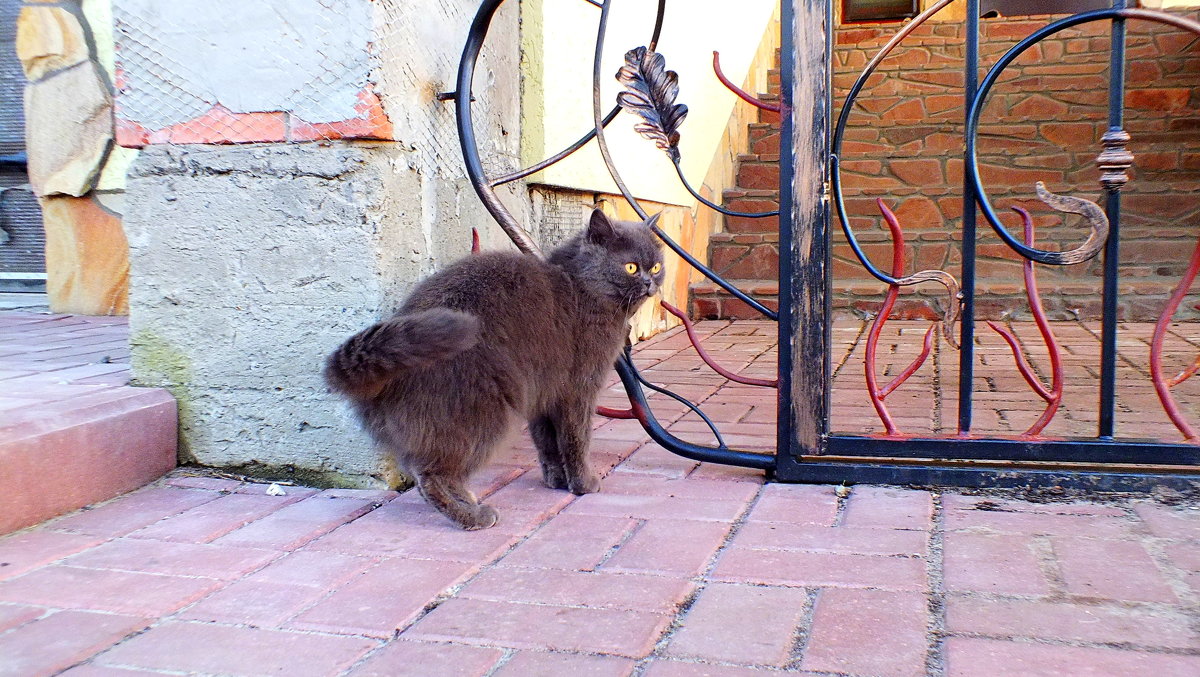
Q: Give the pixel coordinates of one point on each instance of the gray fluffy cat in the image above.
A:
(493, 339)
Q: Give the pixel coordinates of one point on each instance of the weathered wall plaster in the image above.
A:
(305, 56)
(251, 263)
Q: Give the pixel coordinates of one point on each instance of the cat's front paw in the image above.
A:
(588, 483)
(554, 476)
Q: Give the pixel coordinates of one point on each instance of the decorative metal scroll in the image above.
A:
(649, 92)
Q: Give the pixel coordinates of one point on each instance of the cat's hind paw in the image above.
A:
(588, 483)
(483, 517)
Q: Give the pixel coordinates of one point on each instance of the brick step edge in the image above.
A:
(61, 456)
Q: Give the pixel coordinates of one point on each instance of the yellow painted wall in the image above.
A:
(559, 39)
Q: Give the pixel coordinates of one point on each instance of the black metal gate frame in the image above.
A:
(810, 189)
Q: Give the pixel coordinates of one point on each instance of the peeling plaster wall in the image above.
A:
(250, 263)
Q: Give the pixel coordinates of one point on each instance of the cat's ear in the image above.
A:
(600, 229)
(653, 220)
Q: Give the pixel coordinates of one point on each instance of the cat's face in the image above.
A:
(628, 259)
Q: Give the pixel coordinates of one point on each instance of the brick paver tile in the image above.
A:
(795, 504)
(387, 597)
(31, 549)
(727, 473)
(677, 668)
(254, 603)
(133, 511)
(871, 506)
(873, 632)
(1078, 622)
(795, 568)
(1005, 564)
(542, 627)
(293, 526)
(529, 493)
(1167, 522)
(60, 640)
(680, 547)
(1030, 523)
(312, 568)
(12, 615)
(403, 658)
(416, 530)
(178, 559)
(741, 624)
(654, 460)
(214, 519)
(662, 507)
(209, 483)
(93, 670)
(851, 540)
(577, 542)
(538, 664)
(988, 658)
(991, 503)
(206, 648)
(642, 484)
(1111, 569)
(105, 590)
(576, 588)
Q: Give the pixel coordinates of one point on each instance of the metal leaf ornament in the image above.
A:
(650, 93)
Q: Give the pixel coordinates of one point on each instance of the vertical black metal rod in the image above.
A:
(785, 443)
(804, 360)
(966, 355)
(1112, 257)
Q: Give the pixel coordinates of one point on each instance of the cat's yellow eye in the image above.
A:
(631, 268)
(655, 268)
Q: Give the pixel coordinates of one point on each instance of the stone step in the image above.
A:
(746, 256)
(72, 433)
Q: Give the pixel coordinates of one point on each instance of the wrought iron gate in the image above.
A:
(811, 196)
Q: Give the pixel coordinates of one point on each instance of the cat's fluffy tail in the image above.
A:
(365, 363)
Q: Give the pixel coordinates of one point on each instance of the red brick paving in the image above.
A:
(676, 569)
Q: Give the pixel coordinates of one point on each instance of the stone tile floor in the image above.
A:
(674, 570)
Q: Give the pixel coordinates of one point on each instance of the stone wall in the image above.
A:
(74, 168)
(252, 261)
(1043, 122)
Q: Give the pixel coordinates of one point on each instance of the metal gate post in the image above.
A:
(804, 285)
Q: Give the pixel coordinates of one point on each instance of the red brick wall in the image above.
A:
(1043, 123)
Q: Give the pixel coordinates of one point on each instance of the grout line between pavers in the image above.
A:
(700, 581)
(803, 631)
(935, 632)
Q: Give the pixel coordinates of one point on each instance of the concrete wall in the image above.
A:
(250, 262)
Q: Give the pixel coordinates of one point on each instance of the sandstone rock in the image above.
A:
(49, 39)
(112, 177)
(68, 130)
(87, 258)
(98, 15)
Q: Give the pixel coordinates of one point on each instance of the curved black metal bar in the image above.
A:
(1095, 243)
(713, 205)
(685, 402)
(696, 452)
(466, 130)
(839, 132)
(620, 183)
(533, 169)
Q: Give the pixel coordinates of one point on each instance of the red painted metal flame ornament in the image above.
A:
(877, 394)
(1162, 386)
(1053, 396)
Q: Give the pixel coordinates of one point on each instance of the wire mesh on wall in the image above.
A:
(226, 71)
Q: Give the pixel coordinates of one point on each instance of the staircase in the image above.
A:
(904, 145)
